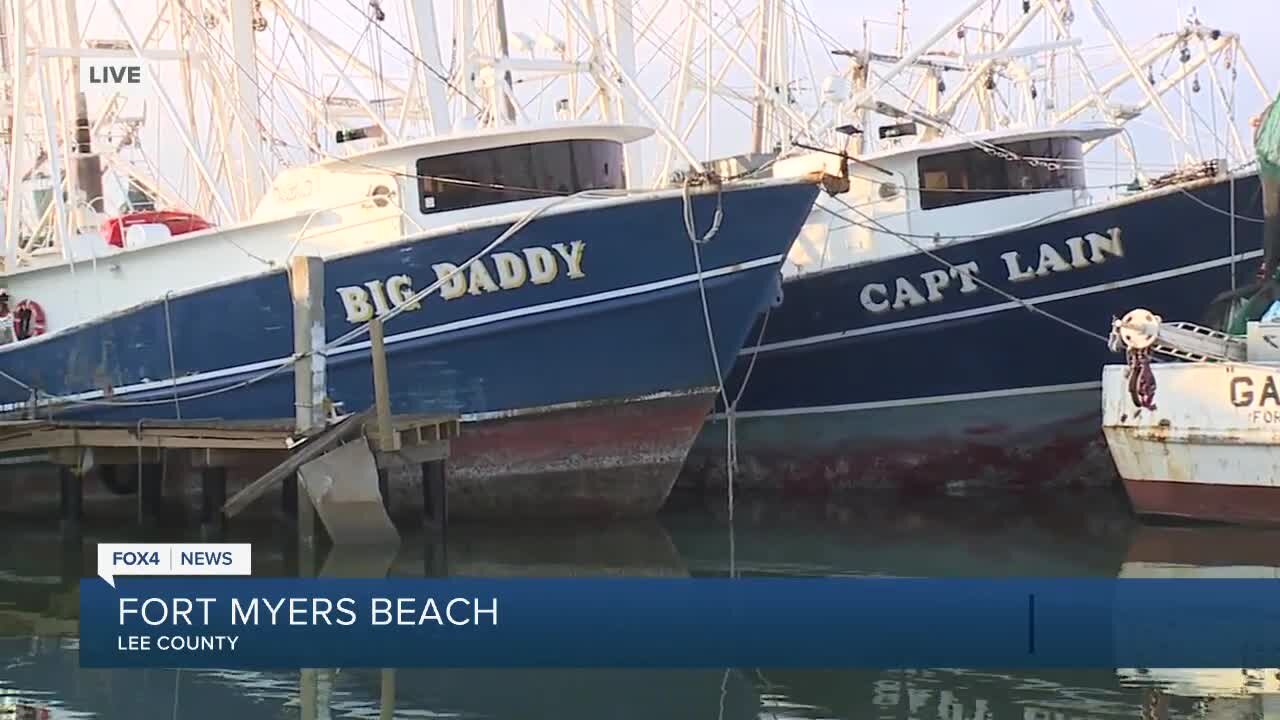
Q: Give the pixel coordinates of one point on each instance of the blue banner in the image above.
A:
(632, 622)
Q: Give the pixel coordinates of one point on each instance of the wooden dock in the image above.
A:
(214, 446)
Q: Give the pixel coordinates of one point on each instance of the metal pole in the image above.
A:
(55, 165)
(1089, 80)
(248, 180)
(292, 19)
(500, 23)
(1226, 101)
(627, 87)
(914, 55)
(424, 20)
(172, 111)
(13, 213)
(947, 108)
(762, 67)
(1114, 36)
(677, 100)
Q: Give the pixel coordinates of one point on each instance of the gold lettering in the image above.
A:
(379, 297)
(572, 257)
(966, 272)
(875, 306)
(907, 295)
(455, 286)
(934, 281)
(511, 270)
(1050, 261)
(400, 290)
(542, 265)
(481, 280)
(1016, 272)
(356, 302)
(1078, 260)
(1100, 244)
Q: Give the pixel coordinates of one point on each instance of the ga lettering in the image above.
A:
(496, 273)
(1245, 393)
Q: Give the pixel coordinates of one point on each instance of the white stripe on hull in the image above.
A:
(264, 365)
(909, 402)
(998, 307)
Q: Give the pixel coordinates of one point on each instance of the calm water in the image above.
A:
(1085, 534)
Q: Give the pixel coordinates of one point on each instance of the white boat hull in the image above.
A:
(1210, 450)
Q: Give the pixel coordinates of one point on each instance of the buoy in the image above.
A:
(35, 323)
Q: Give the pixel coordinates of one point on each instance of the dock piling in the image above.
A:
(381, 401)
(306, 284)
(150, 494)
(71, 500)
(435, 497)
(213, 482)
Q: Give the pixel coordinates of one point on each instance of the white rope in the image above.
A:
(173, 368)
(731, 449)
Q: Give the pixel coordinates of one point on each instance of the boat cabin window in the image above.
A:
(518, 172)
(973, 175)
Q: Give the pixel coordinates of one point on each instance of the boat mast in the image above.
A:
(244, 153)
(622, 34)
(505, 91)
(17, 137)
(85, 166)
(765, 16)
(427, 44)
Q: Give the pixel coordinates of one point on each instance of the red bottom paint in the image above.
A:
(1242, 504)
(603, 460)
(1004, 444)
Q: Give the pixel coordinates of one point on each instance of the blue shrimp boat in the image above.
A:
(576, 347)
(944, 322)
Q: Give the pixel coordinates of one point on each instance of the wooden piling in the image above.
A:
(435, 497)
(213, 495)
(71, 500)
(381, 402)
(151, 494)
(306, 285)
(387, 698)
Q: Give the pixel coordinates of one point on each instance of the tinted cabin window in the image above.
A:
(519, 172)
(971, 175)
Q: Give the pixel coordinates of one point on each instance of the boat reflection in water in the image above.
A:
(1080, 535)
(1209, 552)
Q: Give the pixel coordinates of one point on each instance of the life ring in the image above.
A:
(35, 319)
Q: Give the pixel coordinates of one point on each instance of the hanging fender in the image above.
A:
(29, 319)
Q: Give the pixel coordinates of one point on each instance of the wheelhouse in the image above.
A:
(518, 172)
(980, 173)
(941, 191)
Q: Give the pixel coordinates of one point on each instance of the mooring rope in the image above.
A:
(173, 368)
(731, 449)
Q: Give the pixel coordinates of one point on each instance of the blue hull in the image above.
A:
(631, 324)
(587, 385)
(940, 382)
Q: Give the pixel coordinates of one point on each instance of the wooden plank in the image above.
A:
(314, 448)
